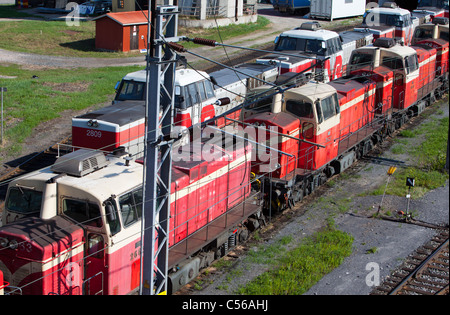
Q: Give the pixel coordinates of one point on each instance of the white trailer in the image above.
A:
(337, 9)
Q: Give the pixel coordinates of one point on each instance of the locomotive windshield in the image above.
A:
(389, 19)
(423, 33)
(394, 63)
(194, 93)
(131, 90)
(434, 3)
(360, 60)
(300, 108)
(312, 46)
(24, 200)
(83, 212)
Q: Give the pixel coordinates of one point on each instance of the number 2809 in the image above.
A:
(93, 133)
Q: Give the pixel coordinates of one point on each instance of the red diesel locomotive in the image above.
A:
(387, 84)
(75, 227)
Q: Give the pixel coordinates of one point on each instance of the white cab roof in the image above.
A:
(183, 76)
(390, 11)
(318, 34)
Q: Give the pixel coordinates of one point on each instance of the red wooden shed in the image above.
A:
(121, 31)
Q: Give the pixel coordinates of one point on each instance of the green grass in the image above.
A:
(52, 38)
(432, 152)
(424, 181)
(299, 269)
(429, 160)
(265, 254)
(29, 102)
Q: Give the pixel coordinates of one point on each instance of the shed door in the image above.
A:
(134, 37)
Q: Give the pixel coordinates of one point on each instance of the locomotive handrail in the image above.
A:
(213, 43)
(4, 285)
(251, 141)
(279, 133)
(14, 290)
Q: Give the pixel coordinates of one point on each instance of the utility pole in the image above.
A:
(446, 159)
(161, 65)
(2, 89)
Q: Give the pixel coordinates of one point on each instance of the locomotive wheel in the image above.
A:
(390, 128)
(297, 194)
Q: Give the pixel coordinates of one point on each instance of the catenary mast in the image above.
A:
(161, 64)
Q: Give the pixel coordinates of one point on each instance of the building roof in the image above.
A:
(127, 18)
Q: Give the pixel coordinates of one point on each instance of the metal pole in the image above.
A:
(2, 116)
(158, 151)
(446, 160)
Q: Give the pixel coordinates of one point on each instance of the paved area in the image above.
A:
(392, 241)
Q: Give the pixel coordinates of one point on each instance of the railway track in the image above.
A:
(425, 272)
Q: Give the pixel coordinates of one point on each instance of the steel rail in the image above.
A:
(423, 266)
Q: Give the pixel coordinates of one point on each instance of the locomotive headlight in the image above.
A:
(92, 123)
(13, 244)
(3, 242)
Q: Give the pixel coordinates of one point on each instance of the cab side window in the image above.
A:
(131, 206)
(328, 108)
(191, 94)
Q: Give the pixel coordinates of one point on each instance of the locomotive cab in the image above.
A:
(401, 60)
(438, 30)
(315, 107)
(66, 243)
(391, 15)
(310, 42)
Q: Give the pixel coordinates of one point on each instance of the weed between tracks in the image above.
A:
(427, 146)
(299, 269)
